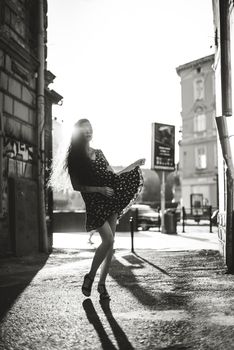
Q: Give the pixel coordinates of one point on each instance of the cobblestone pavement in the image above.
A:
(159, 300)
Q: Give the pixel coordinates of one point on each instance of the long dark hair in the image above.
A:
(77, 162)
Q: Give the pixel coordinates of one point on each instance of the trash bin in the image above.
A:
(170, 221)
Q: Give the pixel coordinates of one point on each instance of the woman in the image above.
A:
(107, 197)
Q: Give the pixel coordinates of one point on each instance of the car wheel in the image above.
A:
(144, 226)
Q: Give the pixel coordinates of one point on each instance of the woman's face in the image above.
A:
(87, 130)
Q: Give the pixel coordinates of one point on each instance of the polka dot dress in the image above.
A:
(126, 186)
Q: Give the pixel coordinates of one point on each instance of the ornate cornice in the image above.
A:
(49, 77)
(53, 96)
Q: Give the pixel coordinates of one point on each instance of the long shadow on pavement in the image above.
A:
(94, 319)
(125, 277)
(175, 347)
(15, 275)
(194, 238)
(119, 334)
(151, 264)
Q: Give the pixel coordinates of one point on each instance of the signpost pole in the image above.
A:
(163, 202)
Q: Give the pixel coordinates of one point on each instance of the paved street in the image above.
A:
(161, 299)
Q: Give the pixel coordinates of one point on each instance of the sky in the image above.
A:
(115, 64)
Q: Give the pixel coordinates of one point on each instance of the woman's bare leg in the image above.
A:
(102, 251)
(90, 237)
(107, 261)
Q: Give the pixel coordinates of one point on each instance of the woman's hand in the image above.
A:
(107, 191)
(139, 162)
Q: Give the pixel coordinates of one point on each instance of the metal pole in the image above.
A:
(163, 201)
(132, 233)
(225, 57)
(210, 215)
(159, 220)
(41, 128)
(183, 219)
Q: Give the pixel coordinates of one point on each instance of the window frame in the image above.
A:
(201, 95)
(197, 156)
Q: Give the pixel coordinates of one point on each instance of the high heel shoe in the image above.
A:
(87, 285)
(104, 295)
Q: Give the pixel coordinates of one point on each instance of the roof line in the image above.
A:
(195, 63)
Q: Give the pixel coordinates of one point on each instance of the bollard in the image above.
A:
(183, 219)
(131, 221)
(210, 216)
(159, 220)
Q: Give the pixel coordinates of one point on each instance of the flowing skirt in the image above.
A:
(127, 187)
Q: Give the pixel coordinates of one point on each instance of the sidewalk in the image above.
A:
(195, 238)
(160, 300)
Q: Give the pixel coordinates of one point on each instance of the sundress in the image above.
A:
(127, 187)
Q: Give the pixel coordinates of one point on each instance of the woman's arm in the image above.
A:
(88, 189)
(106, 191)
(132, 166)
(77, 187)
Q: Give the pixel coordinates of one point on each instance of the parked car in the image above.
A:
(146, 216)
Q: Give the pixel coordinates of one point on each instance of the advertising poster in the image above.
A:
(163, 147)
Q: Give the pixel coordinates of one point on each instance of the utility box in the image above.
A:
(170, 222)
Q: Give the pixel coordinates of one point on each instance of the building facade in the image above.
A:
(223, 14)
(25, 128)
(198, 146)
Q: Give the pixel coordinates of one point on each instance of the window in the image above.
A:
(200, 157)
(198, 89)
(200, 123)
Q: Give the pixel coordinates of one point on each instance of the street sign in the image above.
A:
(163, 147)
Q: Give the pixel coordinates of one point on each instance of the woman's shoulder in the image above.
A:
(94, 150)
(98, 150)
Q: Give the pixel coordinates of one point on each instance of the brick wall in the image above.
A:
(18, 84)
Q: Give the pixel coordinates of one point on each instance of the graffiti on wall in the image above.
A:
(18, 157)
(17, 149)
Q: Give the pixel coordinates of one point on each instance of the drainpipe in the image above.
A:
(41, 129)
(226, 89)
(1, 162)
(226, 84)
(226, 150)
(225, 57)
(225, 144)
